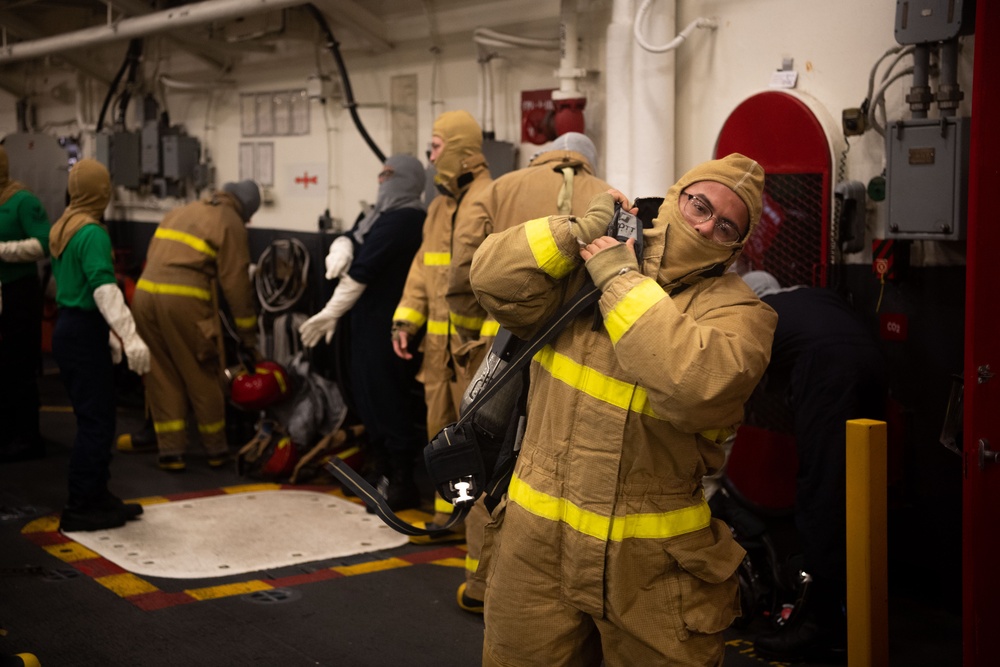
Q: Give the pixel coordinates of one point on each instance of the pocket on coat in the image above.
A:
(491, 542)
(707, 587)
(207, 346)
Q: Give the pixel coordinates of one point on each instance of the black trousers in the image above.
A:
(20, 359)
(80, 347)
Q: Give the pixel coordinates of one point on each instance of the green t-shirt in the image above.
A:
(22, 217)
(84, 265)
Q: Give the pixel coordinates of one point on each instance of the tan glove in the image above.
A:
(594, 223)
(611, 262)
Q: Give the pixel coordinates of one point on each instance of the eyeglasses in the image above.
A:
(699, 211)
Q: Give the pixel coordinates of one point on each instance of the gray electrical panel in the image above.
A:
(180, 156)
(121, 153)
(927, 174)
(151, 148)
(922, 21)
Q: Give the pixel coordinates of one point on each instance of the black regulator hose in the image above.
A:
(352, 106)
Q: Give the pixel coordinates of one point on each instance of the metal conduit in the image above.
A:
(170, 19)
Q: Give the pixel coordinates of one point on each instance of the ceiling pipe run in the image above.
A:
(171, 19)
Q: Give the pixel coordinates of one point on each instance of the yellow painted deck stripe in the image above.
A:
(70, 552)
(126, 584)
(373, 566)
(228, 590)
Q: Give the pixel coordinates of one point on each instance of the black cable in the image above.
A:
(352, 106)
(132, 45)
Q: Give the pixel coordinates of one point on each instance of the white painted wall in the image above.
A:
(834, 46)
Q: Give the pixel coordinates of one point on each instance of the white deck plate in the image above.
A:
(241, 532)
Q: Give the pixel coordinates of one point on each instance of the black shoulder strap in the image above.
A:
(347, 476)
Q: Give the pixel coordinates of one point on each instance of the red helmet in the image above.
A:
(282, 459)
(267, 386)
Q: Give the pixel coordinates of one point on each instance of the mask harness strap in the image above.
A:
(464, 485)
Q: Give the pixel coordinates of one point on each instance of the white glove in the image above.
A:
(325, 321)
(27, 250)
(116, 347)
(339, 259)
(111, 303)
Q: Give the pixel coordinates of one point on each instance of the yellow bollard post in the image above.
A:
(867, 569)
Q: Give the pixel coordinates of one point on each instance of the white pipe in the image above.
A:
(494, 38)
(653, 111)
(618, 98)
(676, 41)
(568, 72)
(138, 26)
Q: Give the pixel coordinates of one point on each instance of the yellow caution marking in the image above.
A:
(55, 408)
(126, 584)
(450, 562)
(70, 552)
(227, 590)
(247, 488)
(374, 566)
(47, 524)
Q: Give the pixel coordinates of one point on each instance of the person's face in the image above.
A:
(437, 145)
(385, 175)
(715, 211)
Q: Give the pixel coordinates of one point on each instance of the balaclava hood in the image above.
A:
(89, 189)
(247, 196)
(579, 143)
(401, 190)
(7, 187)
(463, 150)
(687, 255)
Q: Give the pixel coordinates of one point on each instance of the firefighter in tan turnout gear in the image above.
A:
(608, 550)
(447, 366)
(197, 249)
(559, 180)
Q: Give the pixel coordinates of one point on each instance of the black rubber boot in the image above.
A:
(816, 632)
(398, 486)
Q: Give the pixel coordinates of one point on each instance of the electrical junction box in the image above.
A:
(180, 156)
(922, 21)
(927, 174)
(120, 152)
(150, 158)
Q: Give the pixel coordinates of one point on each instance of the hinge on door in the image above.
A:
(986, 455)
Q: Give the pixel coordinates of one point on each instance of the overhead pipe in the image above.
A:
(138, 26)
(568, 101)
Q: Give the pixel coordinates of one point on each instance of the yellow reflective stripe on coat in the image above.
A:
(472, 323)
(439, 328)
(437, 258)
(201, 245)
(631, 307)
(647, 525)
(490, 328)
(545, 250)
(175, 290)
(612, 391)
(471, 564)
(246, 322)
(170, 426)
(409, 315)
(214, 427)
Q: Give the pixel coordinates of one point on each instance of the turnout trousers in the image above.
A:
(183, 335)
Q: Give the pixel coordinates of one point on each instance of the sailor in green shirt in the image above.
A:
(92, 316)
(24, 239)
